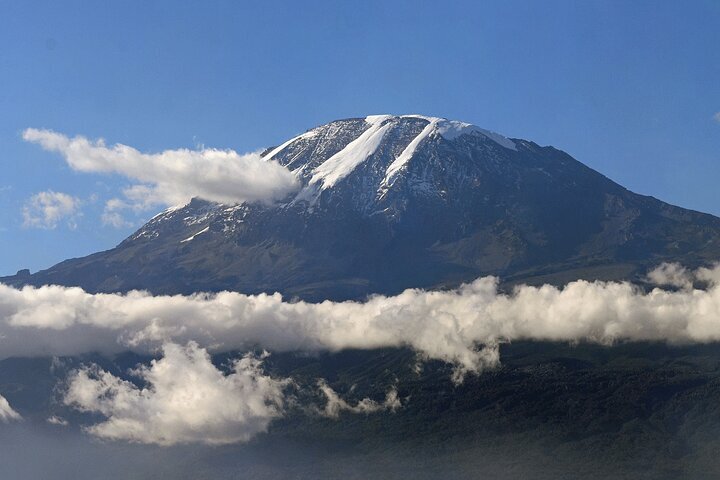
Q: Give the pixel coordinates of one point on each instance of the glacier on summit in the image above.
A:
(342, 163)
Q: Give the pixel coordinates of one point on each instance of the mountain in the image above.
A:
(391, 202)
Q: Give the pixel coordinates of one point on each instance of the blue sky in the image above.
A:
(629, 88)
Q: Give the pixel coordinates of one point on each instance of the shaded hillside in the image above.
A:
(551, 411)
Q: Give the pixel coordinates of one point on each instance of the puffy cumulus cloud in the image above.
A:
(186, 400)
(462, 326)
(335, 405)
(6, 412)
(47, 209)
(173, 177)
(709, 276)
(671, 274)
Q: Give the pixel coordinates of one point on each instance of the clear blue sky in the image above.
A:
(629, 88)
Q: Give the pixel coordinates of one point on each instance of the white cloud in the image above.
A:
(6, 412)
(671, 274)
(115, 220)
(47, 209)
(717, 117)
(187, 399)
(59, 421)
(462, 327)
(711, 275)
(335, 405)
(173, 177)
(111, 215)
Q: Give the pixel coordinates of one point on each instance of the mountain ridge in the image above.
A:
(392, 202)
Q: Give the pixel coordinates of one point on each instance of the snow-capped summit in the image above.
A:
(377, 148)
(369, 137)
(388, 202)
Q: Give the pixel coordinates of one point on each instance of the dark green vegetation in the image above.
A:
(550, 411)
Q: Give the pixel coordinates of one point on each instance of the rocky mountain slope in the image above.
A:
(391, 202)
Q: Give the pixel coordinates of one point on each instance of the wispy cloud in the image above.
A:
(717, 117)
(47, 209)
(59, 421)
(335, 405)
(115, 220)
(112, 215)
(172, 177)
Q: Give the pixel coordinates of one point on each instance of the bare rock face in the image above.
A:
(392, 202)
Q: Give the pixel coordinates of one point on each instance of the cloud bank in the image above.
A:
(183, 398)
(462, 326)
(47, 209)
(171, 177)
(186, 400)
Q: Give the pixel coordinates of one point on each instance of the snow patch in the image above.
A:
(192, 237)
(276, 150)
(408, 152)
(356, 152)
(424, 117)
(234, 208)
(166, 211)
(452, 129)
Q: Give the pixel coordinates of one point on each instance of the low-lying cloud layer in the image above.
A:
(171, 177)
(462, 326)
(186, 400)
